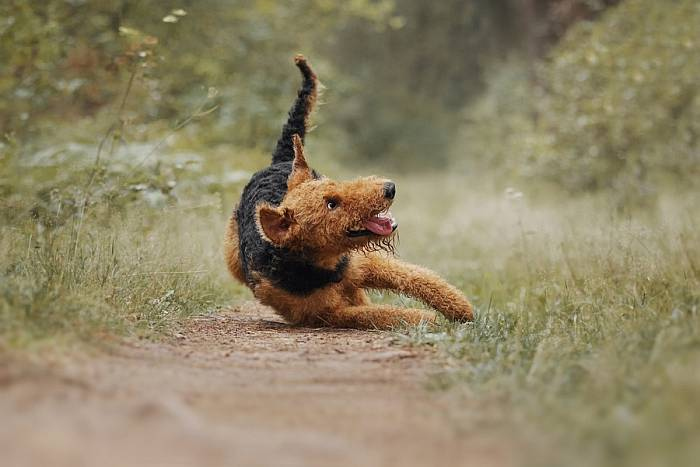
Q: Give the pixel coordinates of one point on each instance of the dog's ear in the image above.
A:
(275, 224)
(300, 169)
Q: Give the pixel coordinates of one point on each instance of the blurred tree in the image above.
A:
(69, 58)
(621, 99)
(613, 106)
(410, 77)
(401, 71)
(60, 59)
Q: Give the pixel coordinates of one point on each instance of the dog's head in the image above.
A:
(324, 216)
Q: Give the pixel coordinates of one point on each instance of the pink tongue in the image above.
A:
(379, 225)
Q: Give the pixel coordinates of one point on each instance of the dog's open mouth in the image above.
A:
(382, 224)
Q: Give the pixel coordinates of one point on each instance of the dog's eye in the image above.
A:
(331, 204)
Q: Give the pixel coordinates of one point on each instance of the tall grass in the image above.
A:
(138, 274)
(587, 326)
(126, 256)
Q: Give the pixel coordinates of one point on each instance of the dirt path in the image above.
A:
(242, 389)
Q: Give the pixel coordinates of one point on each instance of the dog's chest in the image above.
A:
(299, 277)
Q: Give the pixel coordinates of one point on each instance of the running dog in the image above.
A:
(309, 246)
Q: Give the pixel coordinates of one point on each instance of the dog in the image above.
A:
(309, 246)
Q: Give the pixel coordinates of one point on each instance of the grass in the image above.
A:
(587, 329)
(138, 276)
(128, 256)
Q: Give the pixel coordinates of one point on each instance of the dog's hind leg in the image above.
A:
(379, 272)
(375, 317)
(232, 250)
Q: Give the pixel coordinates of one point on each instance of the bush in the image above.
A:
(615, 107)
(620, 102)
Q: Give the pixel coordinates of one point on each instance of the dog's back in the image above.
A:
(270, 186)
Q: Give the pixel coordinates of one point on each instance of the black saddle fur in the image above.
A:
(285, 269)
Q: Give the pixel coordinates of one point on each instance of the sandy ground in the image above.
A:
(243, 389)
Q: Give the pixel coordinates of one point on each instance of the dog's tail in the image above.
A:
(298, 120)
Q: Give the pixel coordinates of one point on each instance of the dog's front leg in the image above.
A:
(380, 272)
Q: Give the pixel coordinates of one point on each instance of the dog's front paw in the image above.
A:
(459, 309)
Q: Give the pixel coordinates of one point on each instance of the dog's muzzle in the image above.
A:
(382, 224)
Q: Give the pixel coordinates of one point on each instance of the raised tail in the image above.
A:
(298, 120)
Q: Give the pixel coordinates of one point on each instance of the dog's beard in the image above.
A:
(385, 244)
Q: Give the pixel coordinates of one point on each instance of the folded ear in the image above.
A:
(300, 169)
(274, 224)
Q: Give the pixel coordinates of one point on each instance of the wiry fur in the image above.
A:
(289, 241)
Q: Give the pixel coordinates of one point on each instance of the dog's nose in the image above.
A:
(389, 190)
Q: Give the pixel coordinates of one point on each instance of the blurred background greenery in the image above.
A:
(584, 94)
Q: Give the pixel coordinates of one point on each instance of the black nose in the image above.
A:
(389, 190)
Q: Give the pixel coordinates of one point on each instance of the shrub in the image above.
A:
(620, 103)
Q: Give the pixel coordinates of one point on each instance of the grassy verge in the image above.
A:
(588, 328)
(126, 249)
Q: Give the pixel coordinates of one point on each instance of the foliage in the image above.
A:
(621, 100)
(54, 60)
(613, 108)
(399, 70)
(65, 59)
(499, 123)
(406, 81)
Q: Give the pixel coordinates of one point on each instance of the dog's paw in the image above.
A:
(459, 309)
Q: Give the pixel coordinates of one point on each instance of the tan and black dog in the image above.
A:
(309, 246)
